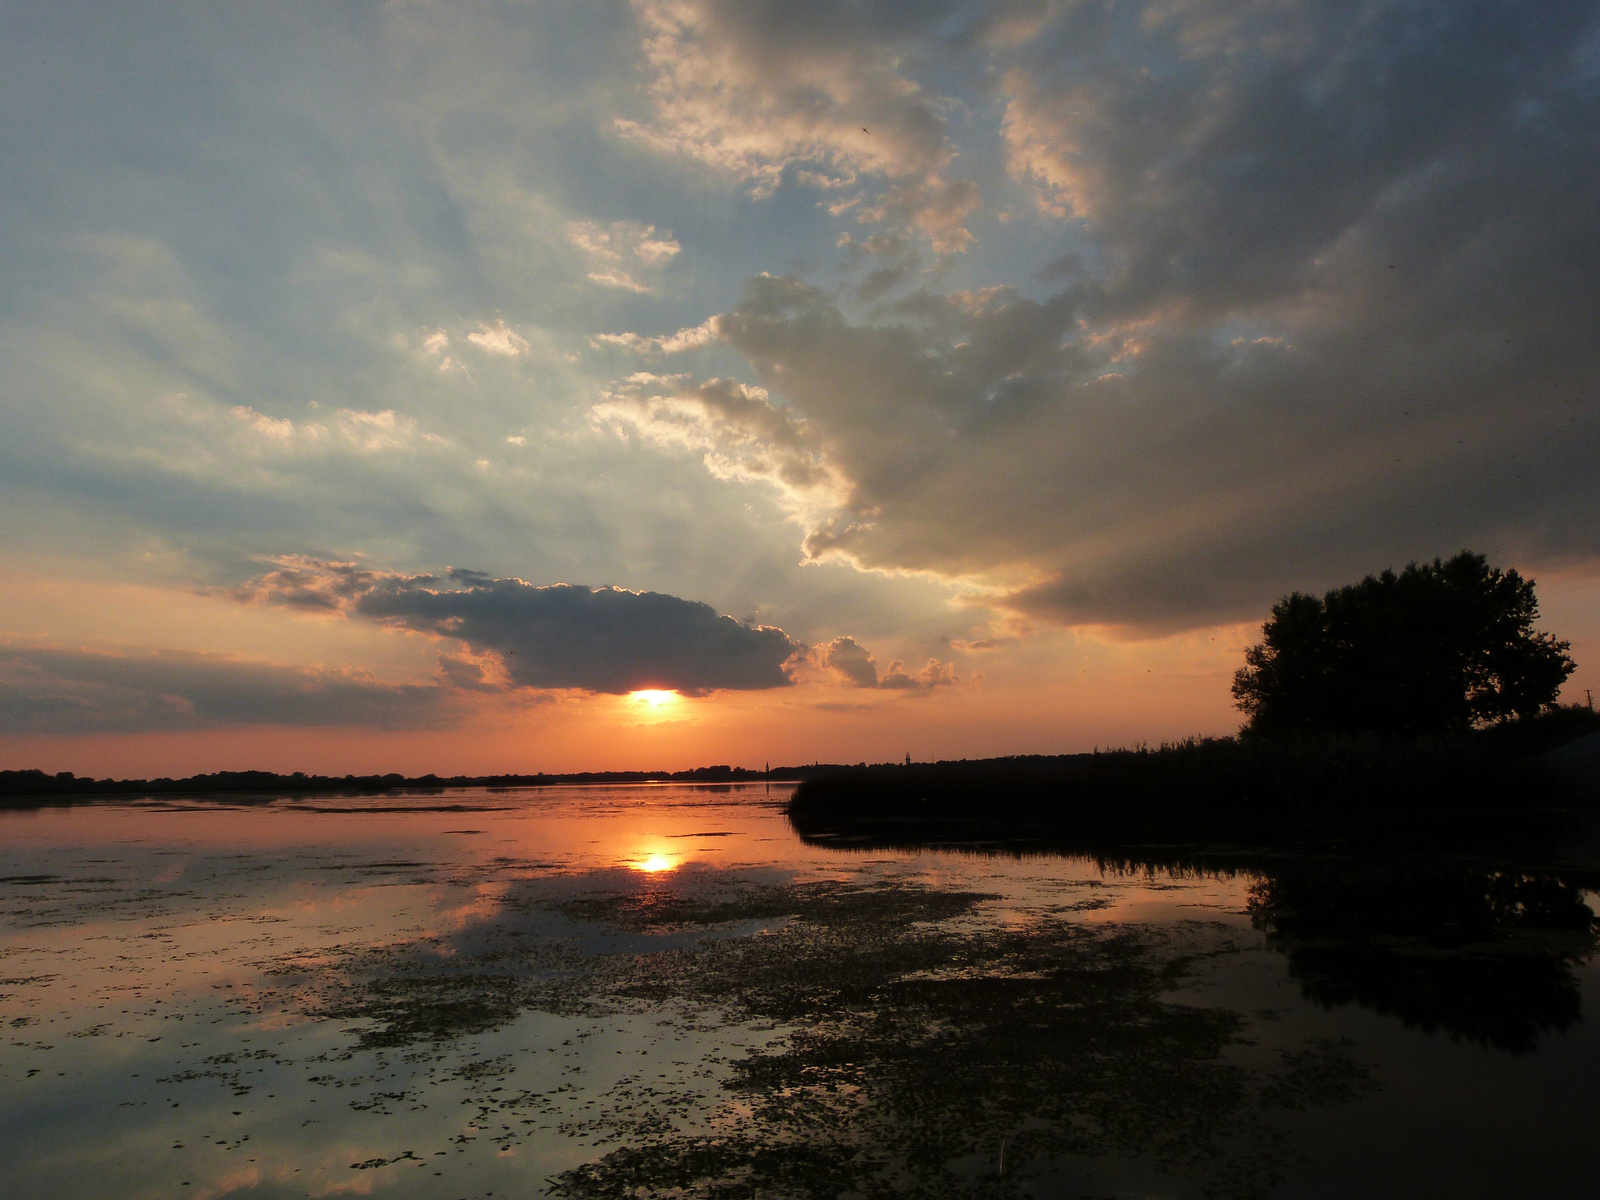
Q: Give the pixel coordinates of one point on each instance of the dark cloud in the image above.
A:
(63, 690)
(853, 663)
(1334, 310)
(516, 637)
(1226, 155)
(561, 636)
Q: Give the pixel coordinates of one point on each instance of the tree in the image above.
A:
(1441, 647)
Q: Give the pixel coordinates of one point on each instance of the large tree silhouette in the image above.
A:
(1439, 648)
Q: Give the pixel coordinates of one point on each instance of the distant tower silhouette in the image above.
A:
(908, 758)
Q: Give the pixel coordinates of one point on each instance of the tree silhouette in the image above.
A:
(1439, 648)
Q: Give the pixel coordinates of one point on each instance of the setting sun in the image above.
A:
(652, 698)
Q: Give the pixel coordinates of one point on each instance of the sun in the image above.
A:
(652, 698)
(654, 863)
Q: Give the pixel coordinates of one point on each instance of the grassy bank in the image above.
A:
(1205, 786)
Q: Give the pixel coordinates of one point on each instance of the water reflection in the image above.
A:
(1464, 945)
(620, 992)
(1478, 953)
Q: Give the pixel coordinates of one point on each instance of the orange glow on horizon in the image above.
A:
(654, 864)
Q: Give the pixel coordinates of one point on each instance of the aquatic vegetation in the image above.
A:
(918, 1039)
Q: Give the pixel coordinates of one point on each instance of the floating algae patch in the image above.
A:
(556, 955)
(420, 992)
(917, 1045)
(933, 1059)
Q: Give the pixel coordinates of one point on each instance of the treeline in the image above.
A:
(35, 783)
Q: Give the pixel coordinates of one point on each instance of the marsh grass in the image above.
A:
(1182, 789)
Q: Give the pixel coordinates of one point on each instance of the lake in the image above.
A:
(622, 991)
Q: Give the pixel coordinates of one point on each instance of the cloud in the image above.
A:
(71, 690)
(347, 429)
(851, 661)
(497, 339)
(620, 241)
(1330, 310)
(736, 429)
(1225, 153)
(560, 636)
(617, 279)
(293, 293)
(1308, 290)
(754, 89)
(938, 208)
(690, 338)
(620, 247)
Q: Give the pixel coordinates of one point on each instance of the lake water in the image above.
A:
(622, 991)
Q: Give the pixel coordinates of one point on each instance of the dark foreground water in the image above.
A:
(634, 991)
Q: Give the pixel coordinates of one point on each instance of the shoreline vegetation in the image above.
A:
(1205, 788)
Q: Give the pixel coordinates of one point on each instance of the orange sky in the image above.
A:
(400, 393)
(1014, 699)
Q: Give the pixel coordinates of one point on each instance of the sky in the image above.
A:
(516, 386)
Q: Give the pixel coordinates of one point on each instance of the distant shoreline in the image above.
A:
(35, 785)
